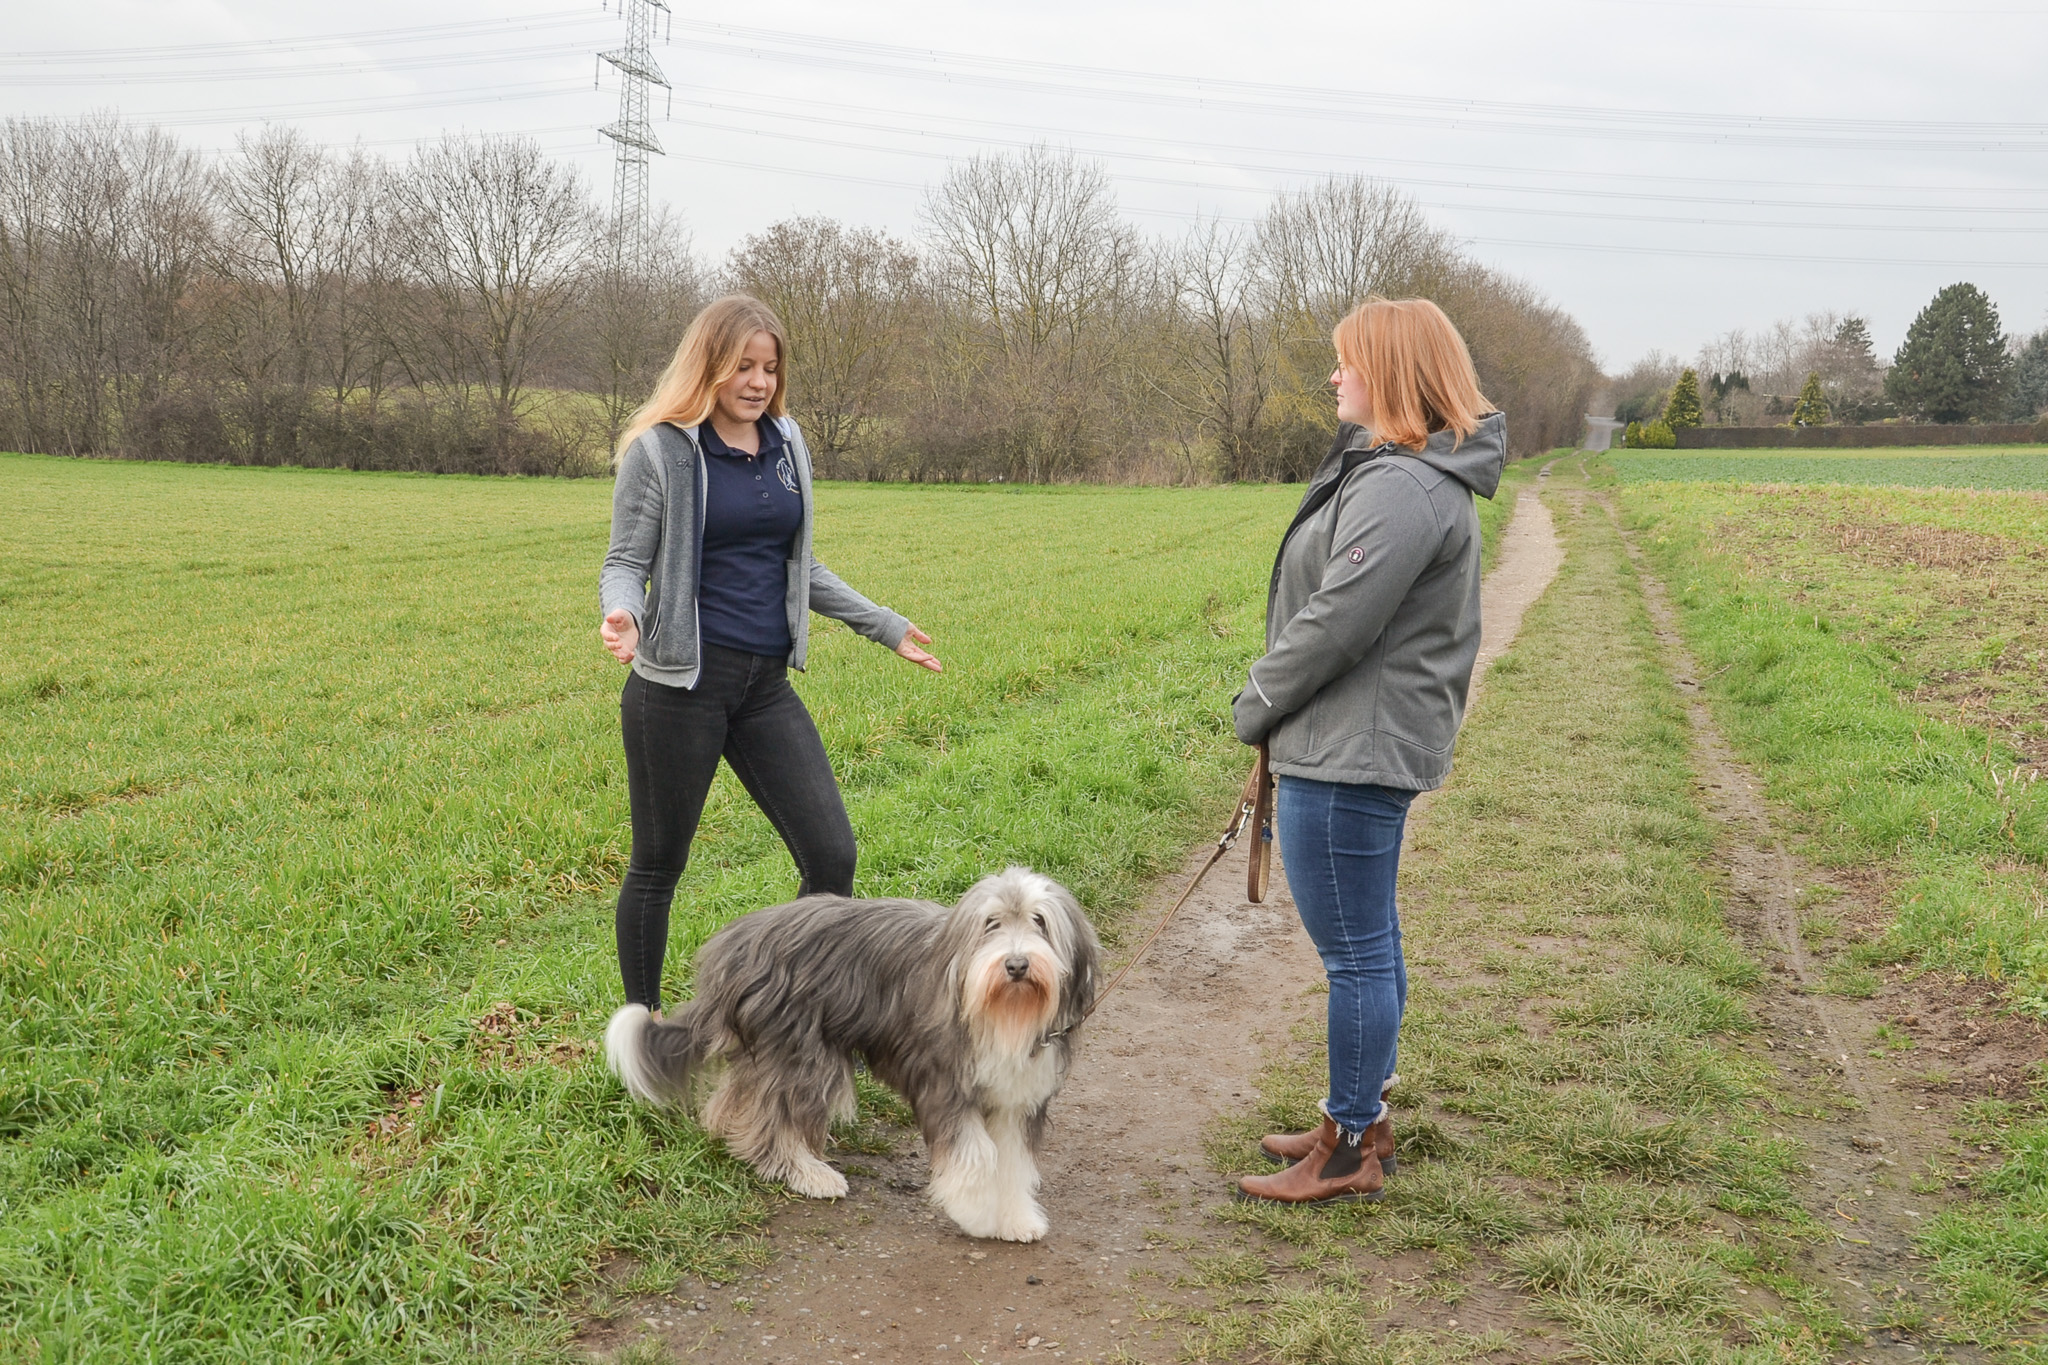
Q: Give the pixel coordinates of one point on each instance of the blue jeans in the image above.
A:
(1341, 844)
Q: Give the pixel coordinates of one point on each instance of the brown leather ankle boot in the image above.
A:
(1336, 1170)
(1284, 1149)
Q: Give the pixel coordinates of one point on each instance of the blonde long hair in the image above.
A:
(709, 354)
(1418, 374)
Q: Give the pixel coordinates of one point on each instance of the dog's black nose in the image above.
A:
(1018, 967)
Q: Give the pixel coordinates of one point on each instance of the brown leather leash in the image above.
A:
(1254, 810)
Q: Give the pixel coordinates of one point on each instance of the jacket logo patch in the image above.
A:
(1357, 555)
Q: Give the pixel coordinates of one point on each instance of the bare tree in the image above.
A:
(631, 314)
(352, 350)
(1219, 348)
(279, 240)
(1326, 248)
(1321, 252)
(30, 152)
(1041, 269)
(494, 236)
(106, 229)
(169, 231)
(845, 296)
(87, 291)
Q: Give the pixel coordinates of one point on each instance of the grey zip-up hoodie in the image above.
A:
(656, 557)
(1372, 620)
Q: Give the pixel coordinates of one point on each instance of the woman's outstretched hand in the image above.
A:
(620, 633)
(917, 656)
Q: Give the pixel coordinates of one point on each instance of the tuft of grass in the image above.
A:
(1621, 1266)
(1600, 1206)
(1226, 1270)
(1460, 1201)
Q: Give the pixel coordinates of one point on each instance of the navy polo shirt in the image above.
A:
(752, 513)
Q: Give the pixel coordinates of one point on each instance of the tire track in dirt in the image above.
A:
(880, 1276)
(1860, 1129)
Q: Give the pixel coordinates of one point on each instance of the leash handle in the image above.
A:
(1258, 803)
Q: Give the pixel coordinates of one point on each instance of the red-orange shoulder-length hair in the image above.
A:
(1418, 375)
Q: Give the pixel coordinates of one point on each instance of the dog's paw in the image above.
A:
(1026, 1224)
(1028, 1228)
(816, 1180)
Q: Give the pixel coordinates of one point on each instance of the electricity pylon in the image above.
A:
(633, 131)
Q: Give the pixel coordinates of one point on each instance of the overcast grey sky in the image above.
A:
(1665, 170)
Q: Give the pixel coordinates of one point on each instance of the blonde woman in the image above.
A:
(1372, 624)
(707, 592)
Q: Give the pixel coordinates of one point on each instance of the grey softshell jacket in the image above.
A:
(1372, 621)
(656, 553)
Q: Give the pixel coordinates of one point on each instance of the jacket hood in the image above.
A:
(1476, 461)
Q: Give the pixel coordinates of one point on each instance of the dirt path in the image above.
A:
(1871, 1122)
(1530, 556)
(878, 1276)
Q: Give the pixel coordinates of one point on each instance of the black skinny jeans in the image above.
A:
(744, 709)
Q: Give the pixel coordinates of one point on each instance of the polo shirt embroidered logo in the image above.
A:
(1357, 555)
(786, 471)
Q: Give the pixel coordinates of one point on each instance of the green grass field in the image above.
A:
(1880, 656)
(2003, 467)
(311, 813)
(1884, 653)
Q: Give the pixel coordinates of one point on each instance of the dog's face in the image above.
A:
(1029, 954)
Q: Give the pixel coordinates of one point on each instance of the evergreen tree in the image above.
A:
(1812, 408)
(1953, 365)
(1853, 351)
(2028, 398)
(1684, 408)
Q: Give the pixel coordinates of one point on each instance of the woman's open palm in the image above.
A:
(620, 633)
(918, 656)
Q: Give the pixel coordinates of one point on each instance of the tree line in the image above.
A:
(468, 308)
(1956, 364)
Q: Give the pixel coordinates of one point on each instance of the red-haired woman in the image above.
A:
(707, 592)
(1372, 625)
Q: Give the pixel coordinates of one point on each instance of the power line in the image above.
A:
(1265, 168)
(1816, 259)
(1844, 11)
(367, 104)
(1184, 215)
(337, 67)
(1601, 215)
(1042, 132)
(373, 37)
(1294, 100)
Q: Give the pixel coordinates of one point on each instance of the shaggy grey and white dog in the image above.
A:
(967, 1012)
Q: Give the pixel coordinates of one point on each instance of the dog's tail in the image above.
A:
(655, 1060)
